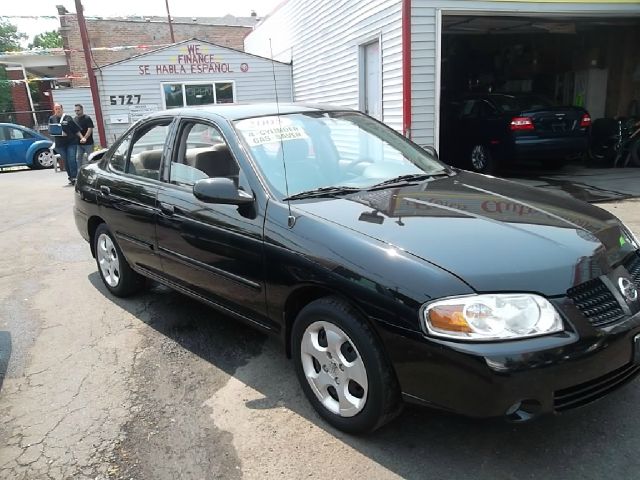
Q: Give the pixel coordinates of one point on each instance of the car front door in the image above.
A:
(127, 192)
(14, 144)
(214, 251)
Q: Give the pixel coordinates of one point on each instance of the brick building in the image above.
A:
(228, 31)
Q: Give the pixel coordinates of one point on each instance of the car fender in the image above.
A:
(35, 146)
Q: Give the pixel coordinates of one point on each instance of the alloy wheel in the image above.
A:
(108, 260)
(479, 158)
(334, 369)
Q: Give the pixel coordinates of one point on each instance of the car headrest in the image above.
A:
(150, 159)
(217, 162)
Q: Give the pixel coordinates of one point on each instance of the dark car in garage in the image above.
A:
(388, 276)
(483, 132)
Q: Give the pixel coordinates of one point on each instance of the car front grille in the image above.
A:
(587, 392)
(596, 302)
(633, 267)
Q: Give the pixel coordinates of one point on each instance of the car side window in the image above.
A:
(119, 158)
(17, 134)
(4, 134)
(203, 153)
(147, 150)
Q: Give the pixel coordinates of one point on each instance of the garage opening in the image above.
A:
(591, 63)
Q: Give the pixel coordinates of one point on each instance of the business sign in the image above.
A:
(193, 59)
(136, 112)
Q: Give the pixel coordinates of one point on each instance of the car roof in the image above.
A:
(21, 127)
(239, 111)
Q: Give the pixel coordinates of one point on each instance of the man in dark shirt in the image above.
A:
(86, 129)
(66, 144)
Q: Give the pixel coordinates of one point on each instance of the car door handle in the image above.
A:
(105, 190)
(167, 208)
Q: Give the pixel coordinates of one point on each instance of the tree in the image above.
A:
(9, 36)
(6, 101)
(50, 39)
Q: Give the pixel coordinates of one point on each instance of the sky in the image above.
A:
(13, 10)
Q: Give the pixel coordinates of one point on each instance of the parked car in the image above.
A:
(387, 275)
(22, 146)
(482, 132)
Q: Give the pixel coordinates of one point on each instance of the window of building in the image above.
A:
(178, 95)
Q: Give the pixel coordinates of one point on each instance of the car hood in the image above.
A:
(493, 234)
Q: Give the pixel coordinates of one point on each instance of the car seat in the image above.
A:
(218, 162)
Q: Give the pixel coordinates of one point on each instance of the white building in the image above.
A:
(395, 59)
(193, 72)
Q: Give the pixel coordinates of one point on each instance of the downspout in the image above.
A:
(406, 68)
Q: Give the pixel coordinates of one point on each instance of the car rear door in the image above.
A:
(128, 189)
(214, 251)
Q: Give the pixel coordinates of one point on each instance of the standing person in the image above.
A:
(86, 129)
(67, 135)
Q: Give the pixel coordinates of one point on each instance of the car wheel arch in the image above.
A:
(304, 295)
(92, 225)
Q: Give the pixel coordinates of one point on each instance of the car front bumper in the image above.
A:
(517, 379)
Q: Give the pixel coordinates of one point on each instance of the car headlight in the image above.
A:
(491, 317)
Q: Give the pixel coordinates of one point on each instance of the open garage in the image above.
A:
(553, 60)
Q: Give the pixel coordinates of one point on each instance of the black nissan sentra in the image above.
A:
(388, 276)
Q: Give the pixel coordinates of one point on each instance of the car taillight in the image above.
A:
(585, 121)
(521, 124)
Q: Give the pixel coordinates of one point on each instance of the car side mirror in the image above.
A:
(221, 190)
(97, 155)
(431, 150)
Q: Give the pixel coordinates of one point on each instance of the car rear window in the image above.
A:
(511, 103)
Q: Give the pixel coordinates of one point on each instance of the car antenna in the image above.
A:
(291, 220)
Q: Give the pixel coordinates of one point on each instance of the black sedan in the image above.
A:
(484, 132)
(387, 275)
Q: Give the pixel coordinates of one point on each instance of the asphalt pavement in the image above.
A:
(161, 387)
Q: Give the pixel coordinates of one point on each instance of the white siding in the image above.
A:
(423, 72)
(68, 97)
(323, 38)
(127, 78)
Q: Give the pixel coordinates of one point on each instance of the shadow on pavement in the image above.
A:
(594, 442)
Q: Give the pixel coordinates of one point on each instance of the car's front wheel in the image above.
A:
(42, 159)
(114, 270)
(342, 368)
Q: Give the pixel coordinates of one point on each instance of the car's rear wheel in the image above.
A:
(481, 160)
(114, 270)
(342, 368)
(42, 159)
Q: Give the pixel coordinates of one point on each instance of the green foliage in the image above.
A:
(6, 102)
(9, 36)
(50, 39)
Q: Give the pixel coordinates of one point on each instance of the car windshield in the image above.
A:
(330, 149)
(515, 103)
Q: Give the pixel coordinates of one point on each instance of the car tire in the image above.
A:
(42, 159)
(634, 154)
(349, 382)
(481, 160)
(116, 274)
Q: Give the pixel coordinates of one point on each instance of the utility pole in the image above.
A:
(173, 38)
(93, 83)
